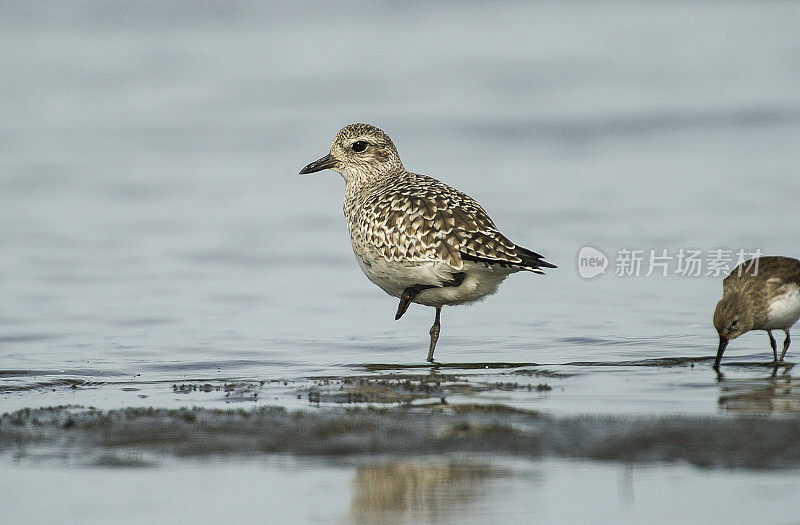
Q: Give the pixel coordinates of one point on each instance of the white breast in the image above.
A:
(784, 309)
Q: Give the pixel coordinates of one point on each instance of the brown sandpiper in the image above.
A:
(760, 294)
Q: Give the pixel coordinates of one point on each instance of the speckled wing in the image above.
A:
(418, 218)
(775, 271)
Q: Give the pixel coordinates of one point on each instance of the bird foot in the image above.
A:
(412, 291)
(408, 295)
(405, 301)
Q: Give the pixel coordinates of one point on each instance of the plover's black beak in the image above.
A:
(721, 350)
(328, 161)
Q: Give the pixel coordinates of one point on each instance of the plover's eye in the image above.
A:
(359, 146)
(734, 323)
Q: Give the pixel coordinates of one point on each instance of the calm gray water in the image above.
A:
(156, 233)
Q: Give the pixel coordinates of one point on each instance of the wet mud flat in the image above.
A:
(589, 441)
(419, 388)
(747, 418)
(666, 386)
(136, 435)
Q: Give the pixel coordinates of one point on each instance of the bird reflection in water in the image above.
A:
(777, 394)
(422, 491)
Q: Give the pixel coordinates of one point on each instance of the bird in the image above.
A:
(762, 293)
(414, 236)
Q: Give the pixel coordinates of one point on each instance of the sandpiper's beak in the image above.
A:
(328, 161)
(722, 344)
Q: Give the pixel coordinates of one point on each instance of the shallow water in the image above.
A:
(465, 490)
(159, 248)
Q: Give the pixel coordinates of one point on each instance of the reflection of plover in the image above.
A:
(760, 294)
(414, 236)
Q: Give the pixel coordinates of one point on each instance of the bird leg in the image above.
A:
(411, 292)
(408, 296)
(434, 334)
(786, 343)
(773, 344)
(457, 279)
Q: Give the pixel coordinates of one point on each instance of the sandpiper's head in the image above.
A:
(359, 150)
(732, 317)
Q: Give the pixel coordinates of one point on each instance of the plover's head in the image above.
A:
(733, 316)
(359, 151)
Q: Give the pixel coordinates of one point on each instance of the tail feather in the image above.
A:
(531, 260)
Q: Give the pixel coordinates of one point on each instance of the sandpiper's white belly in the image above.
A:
(784, 310)
(394, 277)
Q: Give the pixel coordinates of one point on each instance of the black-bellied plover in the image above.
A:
(759, 294)
(415, 237)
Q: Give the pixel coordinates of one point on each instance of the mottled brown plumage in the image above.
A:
(759, 294)
(414, 236)
(413, 218)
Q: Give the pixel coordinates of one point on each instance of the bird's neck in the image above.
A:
(358, 180)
